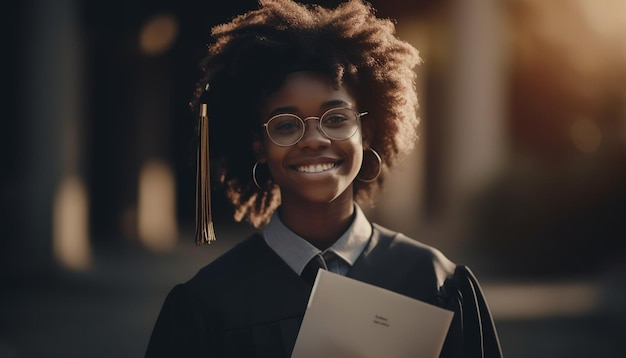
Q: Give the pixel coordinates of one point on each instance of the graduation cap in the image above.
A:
(205, 233)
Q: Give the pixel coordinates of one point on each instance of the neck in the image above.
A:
(319, 224)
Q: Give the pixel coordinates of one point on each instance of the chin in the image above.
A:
(324, 196)
(321, 198)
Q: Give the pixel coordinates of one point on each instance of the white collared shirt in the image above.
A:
(297, 252)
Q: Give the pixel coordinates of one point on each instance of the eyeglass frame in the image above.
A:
(319, 125)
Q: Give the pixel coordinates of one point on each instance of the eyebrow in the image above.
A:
(324, 106)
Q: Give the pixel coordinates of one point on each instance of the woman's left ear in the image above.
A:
(367, 132)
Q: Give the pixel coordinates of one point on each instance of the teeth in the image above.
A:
(315, 168)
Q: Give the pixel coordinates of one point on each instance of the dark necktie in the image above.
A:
(310, 270)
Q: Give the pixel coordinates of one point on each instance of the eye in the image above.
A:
(335, 119)
(285, 124)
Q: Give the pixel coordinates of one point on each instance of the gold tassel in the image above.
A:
(204, 219)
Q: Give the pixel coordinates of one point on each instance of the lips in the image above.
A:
(315, 168)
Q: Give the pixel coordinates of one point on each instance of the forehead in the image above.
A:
(306, 93)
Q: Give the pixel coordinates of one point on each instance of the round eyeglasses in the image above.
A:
(287, 129)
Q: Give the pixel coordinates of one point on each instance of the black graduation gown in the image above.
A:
(249, 303)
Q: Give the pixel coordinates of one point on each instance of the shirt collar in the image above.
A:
(297, 252)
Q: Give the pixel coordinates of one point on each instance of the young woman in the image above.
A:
(308, 109)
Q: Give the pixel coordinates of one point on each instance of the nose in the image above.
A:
(313, 137)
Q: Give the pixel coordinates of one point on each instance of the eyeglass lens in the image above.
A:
(337, 123)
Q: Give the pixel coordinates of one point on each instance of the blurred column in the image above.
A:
(474, 132)
(52, 201)
(478, 95)
(157, 227)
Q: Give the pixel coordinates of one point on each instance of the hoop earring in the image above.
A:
(254, 179)
(378, 172)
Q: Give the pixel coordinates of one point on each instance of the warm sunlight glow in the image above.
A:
(158, 35)
(156, 206)
(71, 225)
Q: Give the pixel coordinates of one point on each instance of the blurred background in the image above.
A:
(520, 171)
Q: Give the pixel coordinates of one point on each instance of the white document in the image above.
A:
(346, 318)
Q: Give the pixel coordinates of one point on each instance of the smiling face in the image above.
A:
(316, 169)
